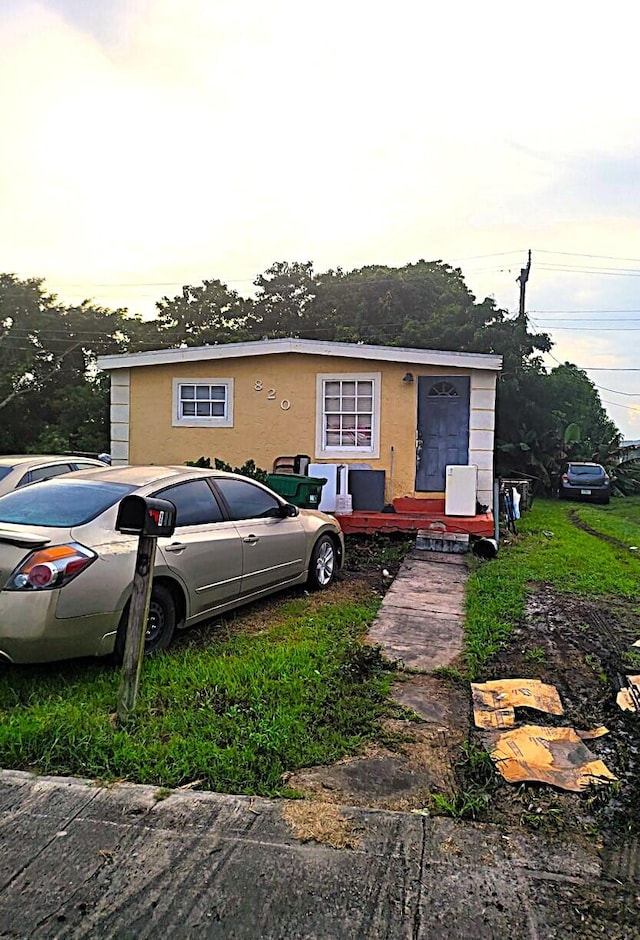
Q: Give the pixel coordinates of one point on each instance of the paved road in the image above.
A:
(78, 860)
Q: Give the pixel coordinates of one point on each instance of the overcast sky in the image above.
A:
(148, 144)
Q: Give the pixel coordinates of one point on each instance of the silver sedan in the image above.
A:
(19, 471)
(66, 574)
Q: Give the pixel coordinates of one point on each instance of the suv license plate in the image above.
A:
(585, 492)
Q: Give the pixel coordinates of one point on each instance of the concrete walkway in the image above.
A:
(422, 615)
(419, 626)
(80, 860)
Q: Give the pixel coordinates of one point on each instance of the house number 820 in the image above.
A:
(285, 404)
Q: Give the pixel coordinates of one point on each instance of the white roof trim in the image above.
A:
(267, 347)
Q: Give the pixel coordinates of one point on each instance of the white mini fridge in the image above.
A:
(337, 476)
(461, 490)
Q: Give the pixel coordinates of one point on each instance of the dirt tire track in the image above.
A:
(575, 520)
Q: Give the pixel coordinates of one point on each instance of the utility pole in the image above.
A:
(522, 280)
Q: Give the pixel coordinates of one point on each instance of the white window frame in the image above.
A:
(344, 453)
(194, 422)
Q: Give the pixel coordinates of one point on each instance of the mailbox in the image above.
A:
(146, 515)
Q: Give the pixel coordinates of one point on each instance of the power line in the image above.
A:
(631, 272)
(590, 319)
(618, 392)
(620, 404)
(576, 310)
(596, 329)
(576, 254)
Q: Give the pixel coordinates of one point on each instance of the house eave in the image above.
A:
(416, 357)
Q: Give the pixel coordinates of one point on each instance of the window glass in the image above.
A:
(348, 410)
(86, 466)
(61, 503)
(443, 390)
(46, 473)
(5, 471)
(194, 501)
(247, 501)
(202, 401)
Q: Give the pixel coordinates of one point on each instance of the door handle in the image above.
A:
(175, 547)
(251, 539)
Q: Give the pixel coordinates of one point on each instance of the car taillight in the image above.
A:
(565, 477)
(49, 568)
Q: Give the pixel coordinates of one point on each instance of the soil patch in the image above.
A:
(579, 646)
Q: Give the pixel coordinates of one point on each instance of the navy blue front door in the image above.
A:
(443, 428)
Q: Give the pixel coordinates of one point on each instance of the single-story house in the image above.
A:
(409, 412)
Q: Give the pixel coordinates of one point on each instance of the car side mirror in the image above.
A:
(289, 511)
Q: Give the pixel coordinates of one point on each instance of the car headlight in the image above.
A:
(49, 568)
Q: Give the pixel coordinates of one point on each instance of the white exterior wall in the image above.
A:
(482, 421)
(120, 394)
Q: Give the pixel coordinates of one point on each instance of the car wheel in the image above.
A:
(322, 567)
(161, 623)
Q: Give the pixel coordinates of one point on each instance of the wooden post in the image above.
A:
(522, 280)
(136, 626)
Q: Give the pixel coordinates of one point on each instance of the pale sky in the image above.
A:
(148, 144)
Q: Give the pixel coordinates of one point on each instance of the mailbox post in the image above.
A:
(149, 519)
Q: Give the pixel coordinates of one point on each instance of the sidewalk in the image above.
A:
(84, 861)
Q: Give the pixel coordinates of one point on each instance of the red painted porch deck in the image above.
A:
(413, 514)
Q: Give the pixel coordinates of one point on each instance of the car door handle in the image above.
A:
(251, 539)
(175, 547)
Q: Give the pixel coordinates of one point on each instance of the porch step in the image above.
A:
(432, 540)
(369, 523)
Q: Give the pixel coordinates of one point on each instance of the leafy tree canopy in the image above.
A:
(50, 396)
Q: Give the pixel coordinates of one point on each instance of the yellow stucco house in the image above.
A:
(409, 412)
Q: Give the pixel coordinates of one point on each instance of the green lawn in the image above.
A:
(620, 519)
(288, 684)
(549, 548)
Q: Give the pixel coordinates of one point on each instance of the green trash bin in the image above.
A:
(304, 492)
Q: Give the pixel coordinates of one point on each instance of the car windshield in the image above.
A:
(5, 471)
(60, 503)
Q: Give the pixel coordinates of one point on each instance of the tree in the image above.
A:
(202, 315)
(574, 399)
(50, 395)
(284, 302)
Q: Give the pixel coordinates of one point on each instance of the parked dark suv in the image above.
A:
(587, 482)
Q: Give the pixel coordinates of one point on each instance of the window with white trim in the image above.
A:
(203, 403)
(348, 417)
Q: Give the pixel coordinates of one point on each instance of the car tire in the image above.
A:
(323, 564)
(161, 623)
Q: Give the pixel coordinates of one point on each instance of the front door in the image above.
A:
(443, 428)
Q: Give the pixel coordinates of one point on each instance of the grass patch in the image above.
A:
(551, 550)
(235, 710)
(619, 520)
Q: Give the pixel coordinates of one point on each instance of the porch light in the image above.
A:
(408, 378)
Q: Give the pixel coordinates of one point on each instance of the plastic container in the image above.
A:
(344, 505)
(304, 492)
(367, 489)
